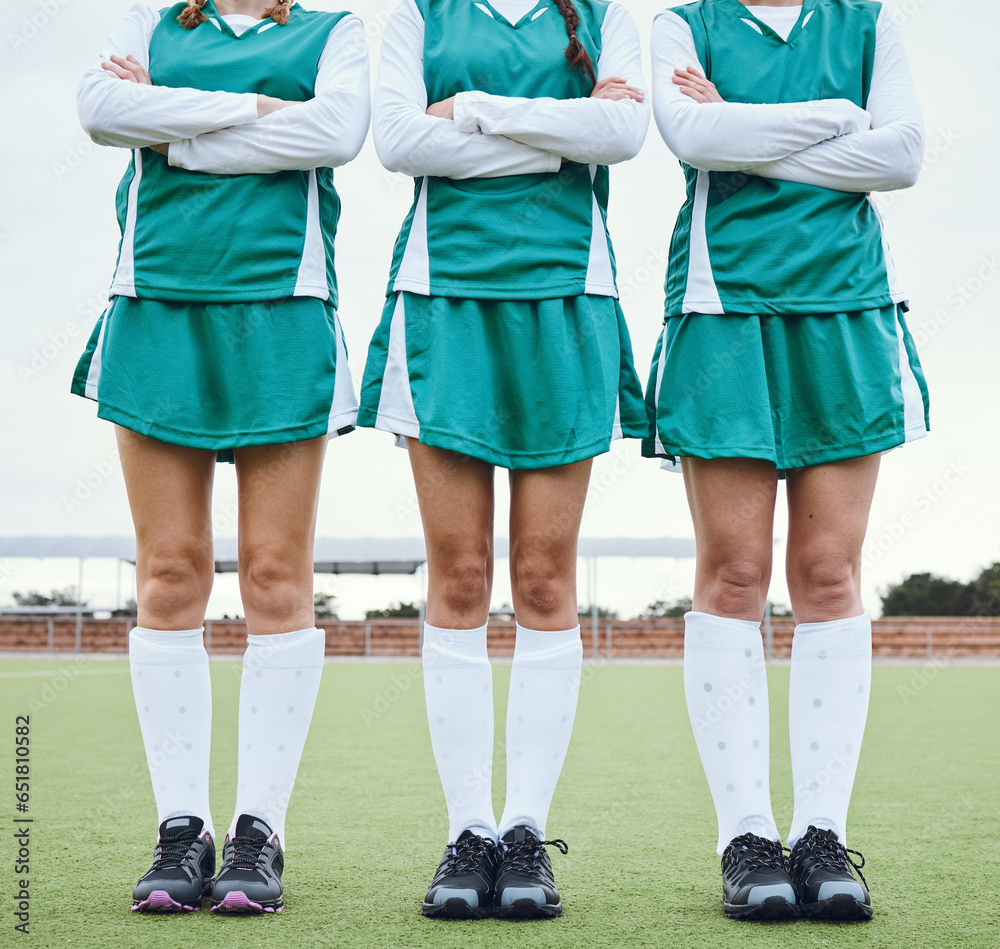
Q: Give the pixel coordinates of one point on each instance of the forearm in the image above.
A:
(326, 131)
(724, 136)
(734, 136)
(411, 142)
(419, 145)
(117, 112)
(592, 131)
(128, 115)
(588, 130)
(885, 159)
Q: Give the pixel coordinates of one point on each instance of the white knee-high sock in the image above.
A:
(725, 683)
(458, 688)
(544, 688)
(828, 692)
(281, 676)
(173, 698)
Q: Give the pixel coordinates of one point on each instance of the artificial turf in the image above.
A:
(366, 825)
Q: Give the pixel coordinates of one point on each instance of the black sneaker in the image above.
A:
(525, 886)
(821, 867)
(249, 879)
(462, 888)
(755, 880)
(182, 870)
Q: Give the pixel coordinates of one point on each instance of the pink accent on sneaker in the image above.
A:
(237, 902)
(160, 901)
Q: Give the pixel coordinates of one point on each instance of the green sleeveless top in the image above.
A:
(514, 237)
(188, 235)
(779, 246)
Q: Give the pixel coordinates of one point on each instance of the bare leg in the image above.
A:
(828, 507)
(725, 684)
(546, 506)
(545, 510)
(732, 505)
(278, 493)
(170, 494)
(830, 677)
(283, 662)
(456, 505)
(455, 493)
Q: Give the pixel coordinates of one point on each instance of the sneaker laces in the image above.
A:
(826, 852)
(246, 852)
(173, 850)
(521, 855)
(467, 854)
(761, 853)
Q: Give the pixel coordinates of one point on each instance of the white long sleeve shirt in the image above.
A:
(219, 132)
(830, 143)
(493, 135)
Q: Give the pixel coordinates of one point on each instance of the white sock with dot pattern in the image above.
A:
(458, 689)
(173, 698)
(725, 683)
(544, 687)
(281, 676)
(828, 690)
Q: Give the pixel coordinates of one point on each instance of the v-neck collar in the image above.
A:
(808, 8)
(213, 14)
(525, 18)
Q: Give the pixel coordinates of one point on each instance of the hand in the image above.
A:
(162, 149)
(614, 87)
(268, 104)
(445, 109)
(695, 85)
(129, 69)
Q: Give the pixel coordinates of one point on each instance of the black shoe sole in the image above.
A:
(528, 909)
(455, 908)
(839, 908)
(773, 909)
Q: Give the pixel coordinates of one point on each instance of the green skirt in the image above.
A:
(220, 375)
(792, 390)
(516, 383)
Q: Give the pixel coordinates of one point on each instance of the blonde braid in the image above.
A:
(193, 14)
(279, 12)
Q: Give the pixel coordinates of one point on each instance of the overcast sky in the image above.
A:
(935, 508)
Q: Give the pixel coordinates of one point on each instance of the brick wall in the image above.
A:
(903, 637)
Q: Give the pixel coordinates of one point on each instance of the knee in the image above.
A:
(270, 581)
(175, 581)
(823, 585)
(463, 583)
(737, 587)
(542, 586)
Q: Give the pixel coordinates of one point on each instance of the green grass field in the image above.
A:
(366, 824)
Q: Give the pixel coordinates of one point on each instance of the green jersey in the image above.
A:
(189, 235)
(749, 244)
(524, 236)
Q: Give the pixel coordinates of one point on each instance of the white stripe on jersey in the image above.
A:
(311, 278)
(899, 295)
(701, 294)
(415, 267)
(124, 279)
(600, 278)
